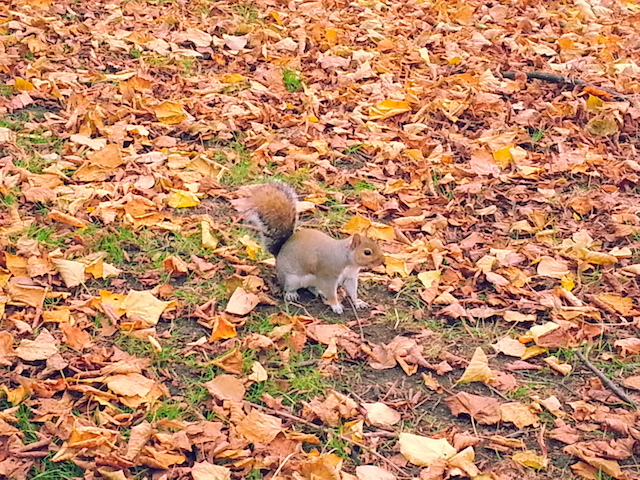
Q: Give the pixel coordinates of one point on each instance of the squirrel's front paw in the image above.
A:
(291, 296)
(337, 308)
(361, 304)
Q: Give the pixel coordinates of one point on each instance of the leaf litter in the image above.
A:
(142, 335)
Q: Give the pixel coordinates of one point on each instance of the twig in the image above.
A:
(553, 78)
(275, 475)
(605, 380)
(323, 429)
(353, 307)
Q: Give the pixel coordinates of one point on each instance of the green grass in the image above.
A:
(353, 149)
(48, 470)
(362, 186)
(6, 90)
(292, 80)
(247, 10)
(43, 234)
(29, 429)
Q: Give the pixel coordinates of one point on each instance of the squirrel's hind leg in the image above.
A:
(292, 283)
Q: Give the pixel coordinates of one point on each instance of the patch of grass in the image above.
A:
(537, 135)
(43, 234)
(307, 383)
(168, 411)
(292, 80)
(6, 90)
(187, 66)
(113, 241)
(337, 445)
(362, 186)
(8, 200)
(48, 470)
(247, 10)
(35, 164)
(7, 122)
(259, 323)
(238, 173)
(353, 149)
(29, 429)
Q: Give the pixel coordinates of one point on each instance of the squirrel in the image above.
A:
(306, 258)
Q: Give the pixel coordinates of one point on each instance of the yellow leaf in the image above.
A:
(388, 108)
(144, 306)
(357, 224)
(429, 278)
(464, 461)
(183, 199)
(568, 282)
(222, 329)
(554, 364)
(380, 231)
(208, 240)
(597, 258)
(423, 451)
(331, 36)
(538, 331)
(478, 369)
(531, 460)
(258, 373)
(170, 113)
(232, 78)
(503, 156)
(594, 104)
(251, 246)
(622, 305)
(395, 265)
(533, 351)
(23, 85)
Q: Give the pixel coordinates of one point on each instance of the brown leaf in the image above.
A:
(258, 427)
(231, 362)
(242, 302)
(43, 347)
(226, 387)
(484, 410)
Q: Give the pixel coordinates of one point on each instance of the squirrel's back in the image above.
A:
(271, 208)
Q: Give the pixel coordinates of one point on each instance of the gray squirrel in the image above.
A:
(306, 258)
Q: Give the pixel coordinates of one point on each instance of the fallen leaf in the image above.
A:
(258, 427)
(242, 302)
(478, 369)
(423, 451)
(226, 387)
(381, 415)
(43, 347)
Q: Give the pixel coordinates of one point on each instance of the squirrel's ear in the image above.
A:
(356, 240)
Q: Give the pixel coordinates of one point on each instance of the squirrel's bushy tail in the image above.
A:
(271, 208)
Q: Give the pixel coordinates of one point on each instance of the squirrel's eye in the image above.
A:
(367, 252)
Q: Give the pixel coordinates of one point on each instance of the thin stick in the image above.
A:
(353, 307)
(275, 475)
(553, 78)
(323, 429)
(605, 380)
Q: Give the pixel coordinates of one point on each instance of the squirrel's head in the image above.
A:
(366, 252)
